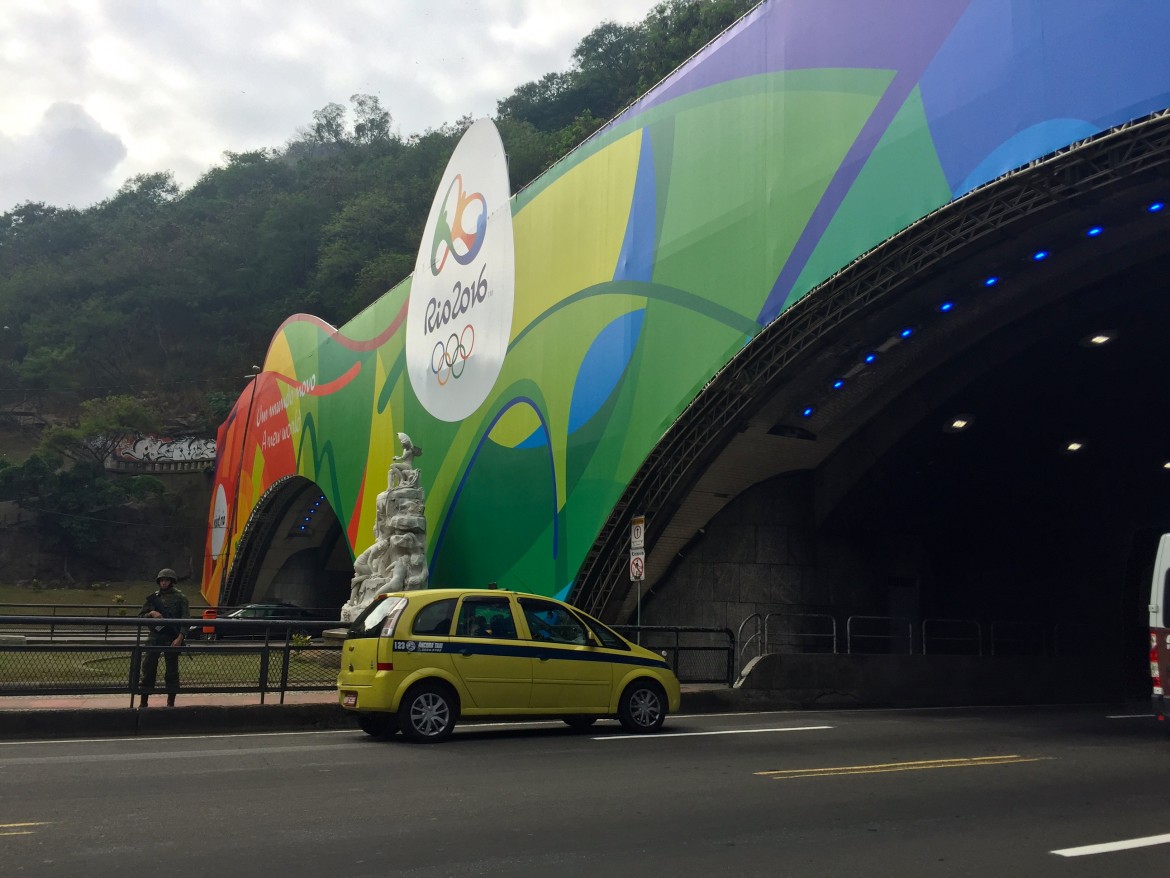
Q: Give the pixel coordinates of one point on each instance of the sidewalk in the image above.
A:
(26, 717)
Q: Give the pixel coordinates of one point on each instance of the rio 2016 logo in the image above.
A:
(451, 228)
(459, 318)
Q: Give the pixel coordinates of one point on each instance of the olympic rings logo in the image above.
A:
(450, 233)
(449, 358)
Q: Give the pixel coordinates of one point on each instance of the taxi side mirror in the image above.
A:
(591, 638)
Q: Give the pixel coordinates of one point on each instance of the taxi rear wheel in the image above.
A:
(579, 723)
(378, 725)
(642, 707)
(428, 713)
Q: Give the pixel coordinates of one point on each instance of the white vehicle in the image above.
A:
(1160, 625)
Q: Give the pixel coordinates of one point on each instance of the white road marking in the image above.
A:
(661, 735)
(1132, 716)
(1110, 847)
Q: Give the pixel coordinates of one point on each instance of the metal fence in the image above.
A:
(805, 633)
(62, 655)
(696, 655)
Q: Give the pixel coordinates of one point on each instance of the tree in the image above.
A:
(328, 124)
(103, 422)
(371, 122)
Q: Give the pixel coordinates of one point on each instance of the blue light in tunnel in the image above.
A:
(946, 306)
(906, 333)
(1093, 231)
(1156, 206)
(869, 358)
(991, 281)
(838, 384)
(808, 412)
(1039, 255)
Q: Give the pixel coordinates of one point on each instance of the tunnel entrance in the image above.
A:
(293, 550)
(964, 425)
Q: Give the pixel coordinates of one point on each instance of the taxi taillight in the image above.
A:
(391, 620)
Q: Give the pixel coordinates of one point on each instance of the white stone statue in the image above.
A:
(397, 559)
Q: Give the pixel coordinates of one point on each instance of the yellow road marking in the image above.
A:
(25, 832)
(19, 825)
(882, 768)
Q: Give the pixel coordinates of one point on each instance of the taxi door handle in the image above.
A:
(465, 652)
(545, 658)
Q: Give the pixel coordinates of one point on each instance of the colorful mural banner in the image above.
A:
(547, 342)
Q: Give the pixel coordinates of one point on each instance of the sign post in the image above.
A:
(638, 562)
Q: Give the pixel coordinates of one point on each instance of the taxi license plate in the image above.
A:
(350, 699)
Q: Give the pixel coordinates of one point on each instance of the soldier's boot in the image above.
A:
(144, 701)
(171, 700)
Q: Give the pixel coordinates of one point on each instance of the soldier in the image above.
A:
(166, 603)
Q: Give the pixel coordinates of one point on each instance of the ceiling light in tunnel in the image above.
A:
(946, 306)
(1156, 206)
(1098, 339)
(1166, 465)
(906, 333)
(1039, 255)
(991, 281)
(1093, 231)
(869, 358)
(1074, 446)
(958, 424)
(838, 384)
(808, 411)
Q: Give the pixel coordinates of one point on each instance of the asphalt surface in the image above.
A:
(980, 791)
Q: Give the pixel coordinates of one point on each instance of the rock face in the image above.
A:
(397, 560)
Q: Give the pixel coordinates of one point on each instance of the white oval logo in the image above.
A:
(459, 319)
(219, 522)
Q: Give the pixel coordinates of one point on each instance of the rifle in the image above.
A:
(156, 605)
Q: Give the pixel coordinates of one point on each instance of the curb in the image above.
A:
(122, 722)
(127, 722)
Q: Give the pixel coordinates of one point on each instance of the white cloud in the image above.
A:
(67, 159)
(99, 90)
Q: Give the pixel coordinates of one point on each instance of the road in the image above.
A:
(863, 793)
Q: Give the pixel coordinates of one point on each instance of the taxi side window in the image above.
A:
(552, 622)
(434, 619)
(485, 617)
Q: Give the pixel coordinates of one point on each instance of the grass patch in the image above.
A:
(132, 595)
(210, 667)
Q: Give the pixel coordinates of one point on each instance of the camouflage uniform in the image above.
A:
(172, 604)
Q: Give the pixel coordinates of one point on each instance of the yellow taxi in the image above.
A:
(420, 660)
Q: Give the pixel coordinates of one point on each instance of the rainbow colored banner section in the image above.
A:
(546, 342)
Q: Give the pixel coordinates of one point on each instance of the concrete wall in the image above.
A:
(763, 554)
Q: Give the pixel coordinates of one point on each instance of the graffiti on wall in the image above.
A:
(148, 448)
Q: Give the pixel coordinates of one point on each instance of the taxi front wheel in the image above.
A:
(642, 707)
(428, 712)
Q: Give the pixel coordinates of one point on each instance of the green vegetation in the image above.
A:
(132, 595)
(201, 666)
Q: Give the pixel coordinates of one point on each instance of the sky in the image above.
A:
(97, 91)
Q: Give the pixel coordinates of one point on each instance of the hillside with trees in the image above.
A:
(144, 311)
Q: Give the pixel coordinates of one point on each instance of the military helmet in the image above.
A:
(167, 573)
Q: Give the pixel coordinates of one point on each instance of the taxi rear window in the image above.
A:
(434, 619)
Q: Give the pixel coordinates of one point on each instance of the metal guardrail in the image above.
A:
(805, 633)
(696, 655)
(883, 635)
(802, 633)
(275, 663)
(952, 637)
